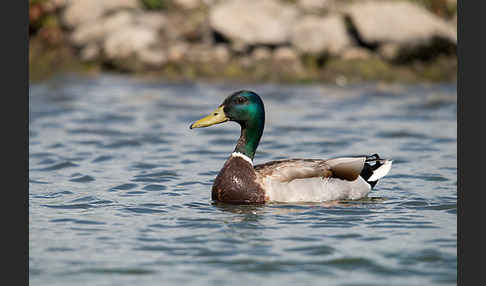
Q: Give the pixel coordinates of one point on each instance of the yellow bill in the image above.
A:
(215, 117)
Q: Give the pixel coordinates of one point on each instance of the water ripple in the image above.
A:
(120, 188)
(140, 210)
(83, 179)
(58, 166)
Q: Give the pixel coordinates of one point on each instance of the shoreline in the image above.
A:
(443, 69)
(175, 42)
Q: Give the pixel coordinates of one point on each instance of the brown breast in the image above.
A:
(237, 183)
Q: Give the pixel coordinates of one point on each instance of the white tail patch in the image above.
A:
(381, 171)
(241, 155)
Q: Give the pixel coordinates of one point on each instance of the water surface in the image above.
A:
(119, 186)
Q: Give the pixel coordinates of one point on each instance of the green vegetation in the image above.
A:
(333, 70)
(155, 4)
(45, 61)
(376, 69)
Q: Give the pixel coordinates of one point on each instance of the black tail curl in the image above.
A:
(368, 169)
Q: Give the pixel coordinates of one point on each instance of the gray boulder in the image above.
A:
(356, 53)
(221, 53)
(97, 30)
(253, 21)
(261, 54)
(90, 52)
(77, 12)
(130, 41)
(155, 57)
(204, 53)
(315, 34)
(176, 51)
(155, 20)
(316, 5)
(286, 61)
(398, 22)
(188, 4)
(285, 54)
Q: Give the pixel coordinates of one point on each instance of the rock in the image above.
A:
(379, 22)
(209, 2)
(82, 11)
(97, 30)
(261, 54)
(221, 53)
(153, 57)
(316, 5)
(188, 4)
(355, 53)
(186, 26)
(52, 5)
(177, 51)
(285, 54)
(244, 62)
(239, 47)
(253, 21)
(58, 3)
(90, 52)
(129, 41)
(315, 35)
(155, 20)
(202, 53)
(389, 51)
(286, 61)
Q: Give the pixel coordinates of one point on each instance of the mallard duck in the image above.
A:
(291, 180)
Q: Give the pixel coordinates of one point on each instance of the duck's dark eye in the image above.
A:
(241, 100)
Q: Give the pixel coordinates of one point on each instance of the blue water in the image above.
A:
(119, 186)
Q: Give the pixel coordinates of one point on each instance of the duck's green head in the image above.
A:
(246, 108)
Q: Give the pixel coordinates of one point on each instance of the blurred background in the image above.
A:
(279, 40)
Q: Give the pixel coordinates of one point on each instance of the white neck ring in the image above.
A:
(243, 156)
